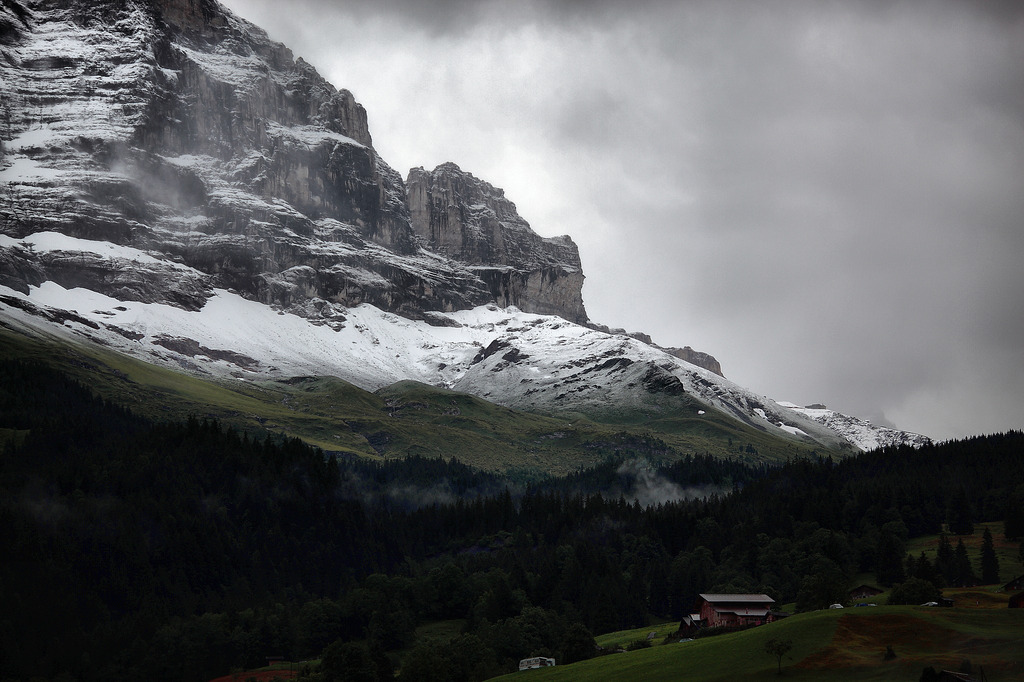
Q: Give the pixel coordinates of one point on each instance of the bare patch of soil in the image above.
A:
(862, 641)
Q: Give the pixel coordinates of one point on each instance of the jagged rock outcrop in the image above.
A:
(469, 220)
(687, 354)
(696, 357)
(177, 128)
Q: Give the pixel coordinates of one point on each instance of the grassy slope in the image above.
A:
(620, 639)
(1010, 566)
(403, 419)
(847, 644)
(982, 596)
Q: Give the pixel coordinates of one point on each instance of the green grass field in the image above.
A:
(840, 644)
(615, 640)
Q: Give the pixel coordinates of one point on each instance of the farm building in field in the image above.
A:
(735, 609)
(1017, 601)
(1014, 585)
(536, 662)
(862, 592)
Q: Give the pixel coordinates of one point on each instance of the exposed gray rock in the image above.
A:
(469, 220)
(182, 130)
(696, 357)
(686, 354)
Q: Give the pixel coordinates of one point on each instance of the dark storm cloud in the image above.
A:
(828, 196)
(452, 17)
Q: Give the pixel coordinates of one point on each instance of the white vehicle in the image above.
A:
(537, 662)
(836, 606)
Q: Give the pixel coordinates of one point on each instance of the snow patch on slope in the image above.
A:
(517, 359)
(42, 242)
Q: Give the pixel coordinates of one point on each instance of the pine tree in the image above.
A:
(989, 562)
(1013, 525)
(945, 562)
(911, 565)
(924, 570)
(960, 514)
(889, 559)
(964, 571)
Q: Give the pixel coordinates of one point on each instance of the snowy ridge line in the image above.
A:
(861, 432)
(520, 360)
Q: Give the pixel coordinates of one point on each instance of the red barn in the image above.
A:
(735, 609)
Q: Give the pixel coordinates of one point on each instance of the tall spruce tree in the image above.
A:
(945, 561)
(989, 562)
(924, 569)
(889, 559)
(960, 514)
(964, 571)
(1013, 524)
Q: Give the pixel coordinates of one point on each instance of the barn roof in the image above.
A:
(737, 598)
(866, 588)
(1015, 583)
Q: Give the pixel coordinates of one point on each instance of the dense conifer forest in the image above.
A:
(181, 551)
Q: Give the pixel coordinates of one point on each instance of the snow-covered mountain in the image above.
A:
(860, 432)
(523, 360)
(178, 187)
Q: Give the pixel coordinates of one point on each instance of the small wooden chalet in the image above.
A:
(1017, 601)
(863, 592)
(1014, 585)
(735, 609)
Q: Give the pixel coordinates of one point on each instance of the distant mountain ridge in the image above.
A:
(179, 187)
(861, 432)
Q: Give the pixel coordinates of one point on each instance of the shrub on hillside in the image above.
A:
(914, 591)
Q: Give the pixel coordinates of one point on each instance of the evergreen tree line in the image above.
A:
(139, 550)
(924, 579)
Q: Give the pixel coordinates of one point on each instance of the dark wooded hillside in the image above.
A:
(143, 550)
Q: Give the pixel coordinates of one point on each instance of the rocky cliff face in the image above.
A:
(174, 127)
(469, 220)
(687, 354)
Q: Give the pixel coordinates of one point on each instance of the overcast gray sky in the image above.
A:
(827, 196)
